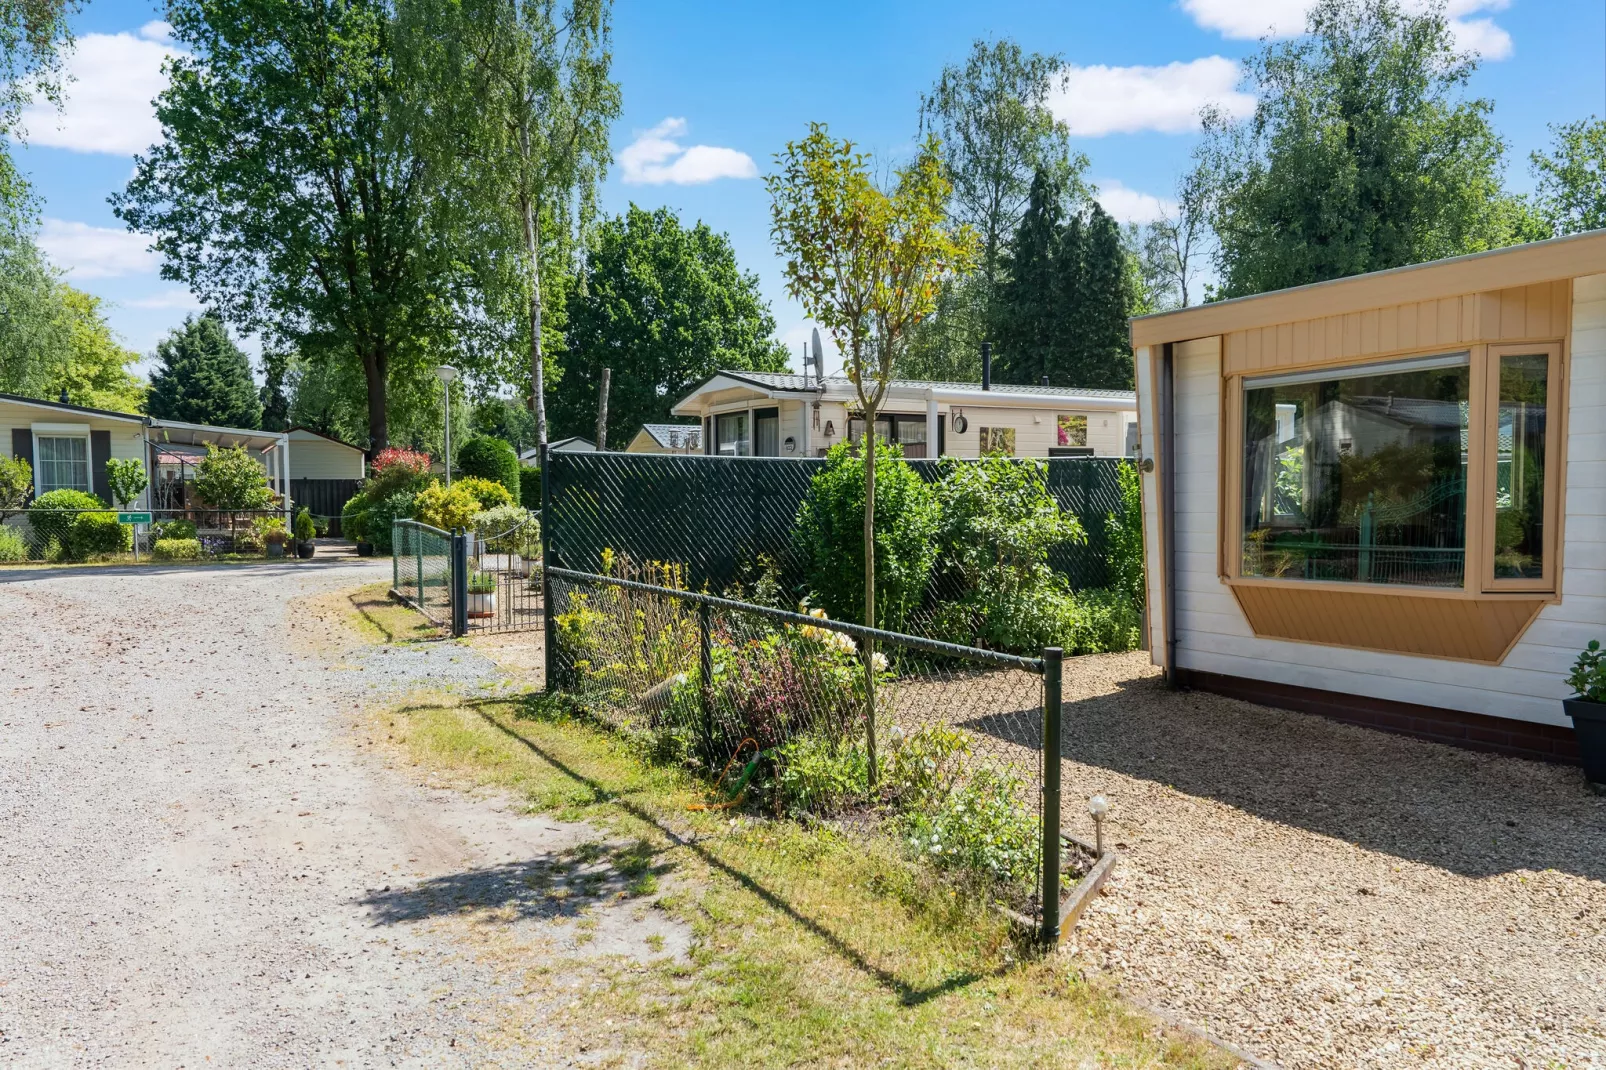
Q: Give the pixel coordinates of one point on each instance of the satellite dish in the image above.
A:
(816, 356)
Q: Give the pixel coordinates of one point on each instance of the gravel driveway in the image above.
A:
(1330, 896)
(191, 829)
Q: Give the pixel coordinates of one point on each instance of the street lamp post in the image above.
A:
(446, 373)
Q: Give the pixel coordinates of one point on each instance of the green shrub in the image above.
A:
(1102, 621)
(94, 534)
(530, 486)
(232, 479)
(178, 528)
(508, 529)
(380, 516)
(829, 535)
(981, 828)
(16, 485)
(305, 529)
(489, 493)
(447, 508)
(1124, 529)
(176, 549)
(818, 774)
(13, 547)
(482, 583)
(1588, 678)
(127, 479)
(490, 458)
(924, 767)
(354, 518)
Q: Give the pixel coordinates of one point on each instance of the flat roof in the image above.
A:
(1496, 269)
(840, 388)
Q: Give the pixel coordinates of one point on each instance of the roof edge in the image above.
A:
(1569, 256)
(59, 406)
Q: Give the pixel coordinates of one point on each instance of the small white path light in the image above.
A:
(446, 374)
(1098, 806)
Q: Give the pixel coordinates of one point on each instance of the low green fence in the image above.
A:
(421, 569)
(718, 515)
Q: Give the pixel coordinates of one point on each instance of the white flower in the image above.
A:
(936, 848)
(896, 734)
(878, 661)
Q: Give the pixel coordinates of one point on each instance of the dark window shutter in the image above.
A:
(100, 451)
(708, 436)
(22, 446)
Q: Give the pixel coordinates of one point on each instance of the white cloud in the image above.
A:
(1130, 205)
(1099, 100)
(1251, 19)
(173, 299)
(113, 78)
(656, 157)
(87, 252)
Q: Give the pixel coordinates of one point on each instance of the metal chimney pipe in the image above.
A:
(986, 365)
(1045, 380)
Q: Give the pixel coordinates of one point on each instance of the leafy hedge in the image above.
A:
(490, 458)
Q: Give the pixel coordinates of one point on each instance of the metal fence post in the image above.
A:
(549, 640)
(1053, 667)
(418, 563)
(459, 584)
(395, 557)
(705, 674)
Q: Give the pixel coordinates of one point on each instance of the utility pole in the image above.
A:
(602, 409)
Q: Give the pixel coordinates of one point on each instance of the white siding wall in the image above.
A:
(1035, 429)
(127, 438)
(315, 457)
(1213, 635)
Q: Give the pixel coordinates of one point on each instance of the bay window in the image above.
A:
(1433, 472)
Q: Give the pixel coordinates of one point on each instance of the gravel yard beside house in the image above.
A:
(1329, 896)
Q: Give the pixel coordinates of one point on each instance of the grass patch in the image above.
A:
(378, 616)
(813, 946)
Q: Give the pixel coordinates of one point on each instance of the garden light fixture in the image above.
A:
(1098, 806)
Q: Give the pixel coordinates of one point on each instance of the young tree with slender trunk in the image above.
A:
(867, 264)
(519, 99)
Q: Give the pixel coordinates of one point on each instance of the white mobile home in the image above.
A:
(777, 414)
(1383, 498)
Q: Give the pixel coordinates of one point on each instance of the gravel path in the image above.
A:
(1329, 896)
(201, 864)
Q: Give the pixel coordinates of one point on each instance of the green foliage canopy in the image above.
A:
(232, 479)
(1362, 154)
(127, 478)
(664, 306)
(203, 377)
(1571, 189)
(492, 459)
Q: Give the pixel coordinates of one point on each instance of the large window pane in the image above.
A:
(63, 463)
(1519, 501)
(766, 435)
(730, 435)
(1358, 477)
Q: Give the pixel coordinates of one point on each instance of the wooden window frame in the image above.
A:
(1483, 404)
(1555, 407)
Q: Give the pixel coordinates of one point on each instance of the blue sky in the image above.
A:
(712, 89)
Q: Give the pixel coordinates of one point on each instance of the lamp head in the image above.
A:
(1098, 806)
(446, 373)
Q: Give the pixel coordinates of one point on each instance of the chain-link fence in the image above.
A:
(718, 516)
(46, 534)
(421, 569)
(936, 745)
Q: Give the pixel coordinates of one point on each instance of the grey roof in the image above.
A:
(45, 403)
(789, 381)
(675, 436)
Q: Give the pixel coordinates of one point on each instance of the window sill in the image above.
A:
(1418, 621)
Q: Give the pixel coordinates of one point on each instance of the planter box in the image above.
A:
(500, 562)
(481, 606)
(1589, 722)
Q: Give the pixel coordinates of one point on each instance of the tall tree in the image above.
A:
(992, 118)
(1170, 248)
(1362, 154)
(275, 392)
(35, 38)
(1030, 318)
(287, 191)
(203, 377)
(867, 264)
(664, 306)
(520, 97)
(96, 372)
(1571, 177)
(1099, 351)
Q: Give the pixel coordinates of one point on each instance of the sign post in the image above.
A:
(139, 520)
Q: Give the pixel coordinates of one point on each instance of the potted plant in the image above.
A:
(305, 531)
(1588, 710)
(273, 534)
(482, 594)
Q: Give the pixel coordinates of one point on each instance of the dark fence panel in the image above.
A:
(324, 497)
(718, 515)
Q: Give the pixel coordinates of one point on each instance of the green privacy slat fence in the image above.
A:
(421, 568)
(717, 515)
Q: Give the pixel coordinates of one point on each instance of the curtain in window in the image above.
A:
(63, 463)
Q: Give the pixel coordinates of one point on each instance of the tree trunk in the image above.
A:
(374, 367)
(532, 257)
(869, 589)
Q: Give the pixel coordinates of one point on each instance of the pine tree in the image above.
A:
(204, 377)
(275, 401)
(1068, 358)
(1027, 331)
(1104, 305)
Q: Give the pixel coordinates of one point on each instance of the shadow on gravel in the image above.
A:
(33, 573)
(562, 885)
(1471, 813)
